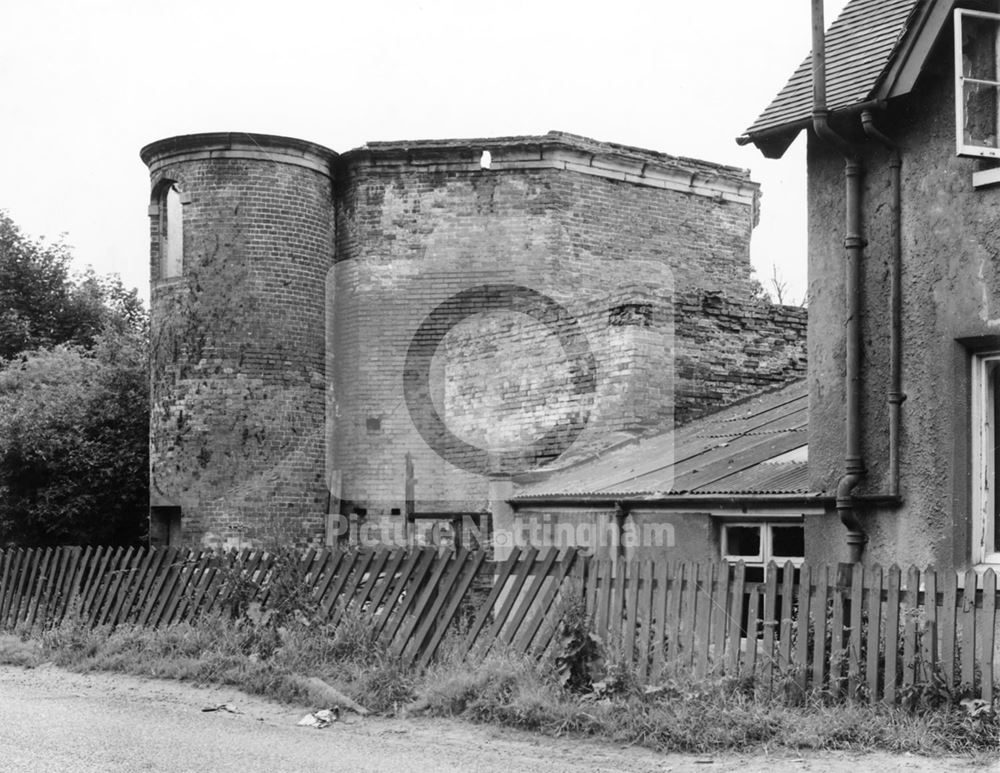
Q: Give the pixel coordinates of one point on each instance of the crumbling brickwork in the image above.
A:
(481, 315)
(420, 223)
(731, 348)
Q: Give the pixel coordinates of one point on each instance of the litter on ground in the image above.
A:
(320, 719)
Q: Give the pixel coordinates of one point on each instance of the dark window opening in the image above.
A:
(743, 541)
(164, 526)
(788, 541)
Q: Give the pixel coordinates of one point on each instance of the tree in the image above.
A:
(74, 458)
(42, 305)
(74, 402)
(777, 293)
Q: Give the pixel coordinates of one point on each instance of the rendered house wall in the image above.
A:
(951, 295)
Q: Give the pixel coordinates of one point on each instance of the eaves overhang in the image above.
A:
(672, 500)
(875, 51)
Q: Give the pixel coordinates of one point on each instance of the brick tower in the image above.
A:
(242, 232)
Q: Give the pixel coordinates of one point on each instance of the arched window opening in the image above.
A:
(171, 232)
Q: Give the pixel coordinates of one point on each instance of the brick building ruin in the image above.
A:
(373, 337)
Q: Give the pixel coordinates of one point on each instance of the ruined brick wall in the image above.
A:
(416, 229)
(507, 378)
(731, 348)
(238, 340)
(548, 302)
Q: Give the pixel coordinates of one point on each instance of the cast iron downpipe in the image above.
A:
(895, 396)
(854, 468)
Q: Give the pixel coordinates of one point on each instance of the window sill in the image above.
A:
(169, 281)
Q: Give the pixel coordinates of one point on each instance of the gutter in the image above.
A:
(895, 395)
(779, 130)
(627, 502)
(854, 243)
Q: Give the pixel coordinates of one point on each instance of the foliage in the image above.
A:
(42, 305)
(681, 713)
(776, 290)
(694, 715)
(73, 444)
(578, 660)
(74, 403)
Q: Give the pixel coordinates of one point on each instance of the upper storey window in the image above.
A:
(171, 232)
(977, 83)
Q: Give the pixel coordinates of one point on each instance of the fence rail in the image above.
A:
(864, 633)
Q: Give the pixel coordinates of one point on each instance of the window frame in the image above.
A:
(961, 148)
(766, 554)
(984, 385)
(170, 229)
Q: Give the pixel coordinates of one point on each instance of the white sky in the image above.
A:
(86, 83)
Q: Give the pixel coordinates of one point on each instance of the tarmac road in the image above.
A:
(54, 720)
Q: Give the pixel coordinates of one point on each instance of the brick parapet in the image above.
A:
(563, 152)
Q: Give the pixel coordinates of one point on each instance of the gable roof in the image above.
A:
(867, 50)
(757, 448)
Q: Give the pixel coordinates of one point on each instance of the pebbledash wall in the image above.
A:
(339, 319)
(950, 294)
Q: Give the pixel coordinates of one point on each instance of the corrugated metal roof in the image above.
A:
(859, 48)
(757, 447)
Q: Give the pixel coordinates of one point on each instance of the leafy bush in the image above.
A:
(74, 404)
(74, 453)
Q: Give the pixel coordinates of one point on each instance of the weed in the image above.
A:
(578, 659)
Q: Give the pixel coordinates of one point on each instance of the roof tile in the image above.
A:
(859, 47)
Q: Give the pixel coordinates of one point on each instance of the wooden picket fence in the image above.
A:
(861, 633)
(410, 596)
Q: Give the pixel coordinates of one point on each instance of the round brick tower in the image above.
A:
(242, 238)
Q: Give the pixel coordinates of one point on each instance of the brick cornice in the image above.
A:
(240, 145)
(564, 152)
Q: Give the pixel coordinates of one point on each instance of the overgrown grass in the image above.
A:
(697, 716)
(262, 657)
(261, 660)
